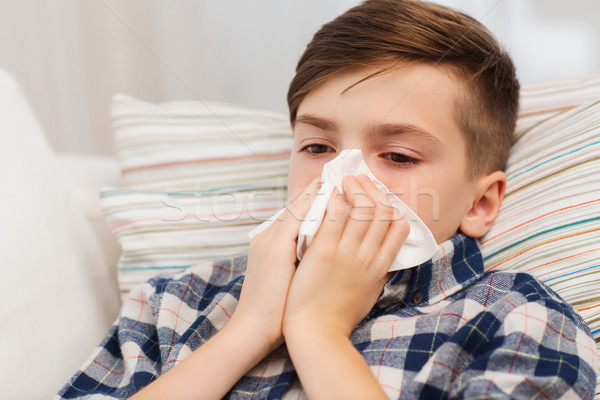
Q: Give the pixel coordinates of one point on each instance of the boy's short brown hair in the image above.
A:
(399, 31)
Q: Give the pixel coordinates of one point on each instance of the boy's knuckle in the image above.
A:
(385, 211)
(340, 211)
(360, 200)
(362, 213)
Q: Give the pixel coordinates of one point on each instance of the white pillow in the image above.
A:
(57, 301)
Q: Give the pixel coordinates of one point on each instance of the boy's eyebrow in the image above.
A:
(321, 123)
(392, 129)
(386, 129)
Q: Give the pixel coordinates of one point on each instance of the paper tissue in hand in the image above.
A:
(419, 246)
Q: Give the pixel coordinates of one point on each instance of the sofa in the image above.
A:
(190, 179)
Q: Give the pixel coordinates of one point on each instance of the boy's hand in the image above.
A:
(271, 265)
(345, 268)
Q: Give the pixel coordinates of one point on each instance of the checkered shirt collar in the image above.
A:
(456, 264)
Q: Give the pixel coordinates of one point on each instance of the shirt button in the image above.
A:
(417, 297)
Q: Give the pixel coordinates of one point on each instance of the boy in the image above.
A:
(430, 99)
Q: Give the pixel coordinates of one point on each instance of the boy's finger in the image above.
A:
(383, 215)
(362, 209)
(370, 188)
(298, 207)
(334, 220)
(293, 215)
(362, 205)
(396, 236)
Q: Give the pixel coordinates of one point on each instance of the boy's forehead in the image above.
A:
(392, 86)
(362, 75)
(350, 80)
(369, 73)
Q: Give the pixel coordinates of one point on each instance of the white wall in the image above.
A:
(547, 39)
(71, 56)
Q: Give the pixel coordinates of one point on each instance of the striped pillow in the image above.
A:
(169, 231)
(199, 177)
(549, 223)
(188, 145)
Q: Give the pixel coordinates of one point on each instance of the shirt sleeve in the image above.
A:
(543, 349)
(127, 360)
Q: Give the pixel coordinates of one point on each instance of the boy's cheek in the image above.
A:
(443, 220)
(301, 174)
(427, 203)
(297, 182)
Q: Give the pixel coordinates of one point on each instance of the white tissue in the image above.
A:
(420, 244)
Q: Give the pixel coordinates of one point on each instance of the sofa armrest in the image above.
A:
(86, 175)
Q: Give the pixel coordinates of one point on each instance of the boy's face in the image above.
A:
(404, 122)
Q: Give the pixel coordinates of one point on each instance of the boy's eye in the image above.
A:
(316, 148)
(400, 158)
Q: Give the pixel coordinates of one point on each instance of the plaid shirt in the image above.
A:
(443, 329)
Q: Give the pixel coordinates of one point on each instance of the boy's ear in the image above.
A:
(489, 193)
